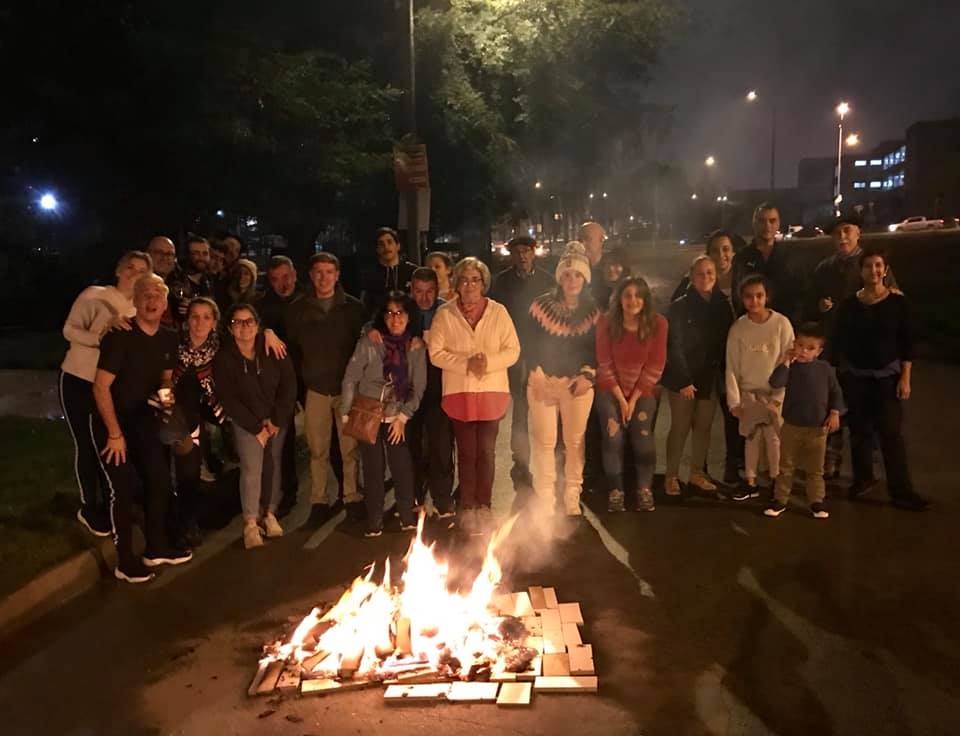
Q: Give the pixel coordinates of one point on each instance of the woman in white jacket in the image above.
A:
(97, 310)
(473, 341)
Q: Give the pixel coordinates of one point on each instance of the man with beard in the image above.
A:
(192, 281)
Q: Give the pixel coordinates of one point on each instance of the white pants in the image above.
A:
(549, 397)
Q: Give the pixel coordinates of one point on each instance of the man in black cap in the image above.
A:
(835, 279)
(516, 287)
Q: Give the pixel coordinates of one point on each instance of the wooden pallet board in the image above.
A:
(537, 599)
(556, 665)
(550, 597)
(533, 625)
(570, 613)
(289, 678)
(565, 684)
(515, 694)
(553, 642)
(473, 692)
(571, 635)
(581, 660)
(267, 680)
(416, 693)
(550, 619)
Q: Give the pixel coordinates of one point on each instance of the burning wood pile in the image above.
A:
(425, 643)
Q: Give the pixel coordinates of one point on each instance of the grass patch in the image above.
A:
(32, 350)
(38, 499)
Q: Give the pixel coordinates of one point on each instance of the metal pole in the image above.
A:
(773, 148)
(411, 198)
(836, 194)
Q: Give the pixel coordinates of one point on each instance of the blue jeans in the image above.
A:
(640, 432)
(259, 471)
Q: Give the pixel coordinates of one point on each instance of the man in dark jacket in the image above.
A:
(390, 274)
(322, 330)
(282, 291)
(516, 287)
(770, 258)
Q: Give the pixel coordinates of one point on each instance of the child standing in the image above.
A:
(757, 343)
(812, 406)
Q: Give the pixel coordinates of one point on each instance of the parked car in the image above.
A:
(804, 231)
(917, 222)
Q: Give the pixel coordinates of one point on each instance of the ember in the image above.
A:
(421, 635)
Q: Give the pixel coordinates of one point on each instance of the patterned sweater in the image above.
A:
(561, 341)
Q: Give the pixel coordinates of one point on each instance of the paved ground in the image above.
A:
(706, 618)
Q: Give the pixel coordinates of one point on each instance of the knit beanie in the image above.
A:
(574, 258)
(250, 266)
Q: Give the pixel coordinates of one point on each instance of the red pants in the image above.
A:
(476, 460)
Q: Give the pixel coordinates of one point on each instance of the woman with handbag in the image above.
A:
(259, 394)
(381, 391)
(473, 341)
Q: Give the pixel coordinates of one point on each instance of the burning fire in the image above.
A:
(377, 631)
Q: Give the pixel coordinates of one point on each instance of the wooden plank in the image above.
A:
(473, 692)
(403, 636)
(268, 682)
(570, 613)
(258, 677)
(289, 678)
(565, 685)
(533, 625)
(537, 599)
(515, 694)
(553, 642)
(416, 693)
(550, 596)
(319, 687)
(501, 676)
(571, 635)
(521, 605)
(535, 642)
(556, 665)
(550, 619)
(581, 660)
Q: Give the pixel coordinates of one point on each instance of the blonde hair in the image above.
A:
(465, 264)
(150, 279)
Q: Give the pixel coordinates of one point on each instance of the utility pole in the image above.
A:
(412, 197)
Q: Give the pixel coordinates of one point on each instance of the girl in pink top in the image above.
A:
(631, 352)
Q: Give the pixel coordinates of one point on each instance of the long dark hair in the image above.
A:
(407, 304)
(648, 315)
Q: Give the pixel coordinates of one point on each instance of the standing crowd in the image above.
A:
(417, 373)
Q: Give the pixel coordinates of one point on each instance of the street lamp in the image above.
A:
(710, 161)
(842, 109)
(853, 139)
(48, 202)
(752, 96)
(693, 196)
(538, 185)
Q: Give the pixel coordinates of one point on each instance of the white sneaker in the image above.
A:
(272, 526)
(252, 537)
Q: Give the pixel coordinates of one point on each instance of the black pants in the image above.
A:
(288, 466)
(873, 407)
(430, 436)
(519, 435)
(147, 466)
(187, 468)
(401, 469)
(733, 440)
(76, 400)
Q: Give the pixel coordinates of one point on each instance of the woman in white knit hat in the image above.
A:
(562, 361)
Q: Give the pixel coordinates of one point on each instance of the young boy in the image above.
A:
(812, 406)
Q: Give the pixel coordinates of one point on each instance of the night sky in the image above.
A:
(895, 62)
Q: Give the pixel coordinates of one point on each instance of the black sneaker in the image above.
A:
(745, 492)
(615, 501)
(169, 556)
(911, 502)
(818, 511)
(371, 533)
(775, 509)
(408, 527)
(449, 514)
(133, 572)
(860, 488)
(98, 524)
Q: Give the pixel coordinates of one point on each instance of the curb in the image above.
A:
(56, 586)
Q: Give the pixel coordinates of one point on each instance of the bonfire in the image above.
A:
(423, 640)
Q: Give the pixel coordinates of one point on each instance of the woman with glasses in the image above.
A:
(258, 393)
(392, 370)
(473, 341)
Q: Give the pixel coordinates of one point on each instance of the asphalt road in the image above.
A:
(705, 617)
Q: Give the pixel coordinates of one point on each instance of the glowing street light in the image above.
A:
(591, 195)
(710, 161)
(48, 202)
(842, 109)
(693, 196)
(538, 185)
(751, 95)
(853, 139)
(604, 195)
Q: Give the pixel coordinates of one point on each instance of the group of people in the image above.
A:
(168, 353)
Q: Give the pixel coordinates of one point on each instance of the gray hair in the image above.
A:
(465, 264)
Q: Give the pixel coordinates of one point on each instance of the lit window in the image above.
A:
(876, 184)
(860, 162)
(876, 162)
(859, 185)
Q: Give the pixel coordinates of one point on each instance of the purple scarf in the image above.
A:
(395, 364)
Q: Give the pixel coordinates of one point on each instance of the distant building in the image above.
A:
(918, 175)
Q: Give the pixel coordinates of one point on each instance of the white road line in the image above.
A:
(617, 550)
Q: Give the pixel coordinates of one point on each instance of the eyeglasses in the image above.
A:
(395, 313)
(163, 254)
(471, 280)
(249, 322)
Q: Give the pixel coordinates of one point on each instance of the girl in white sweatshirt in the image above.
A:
(756, 344)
